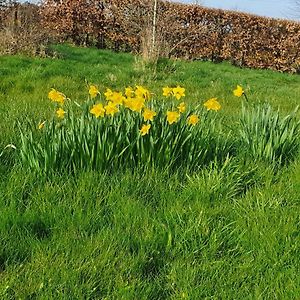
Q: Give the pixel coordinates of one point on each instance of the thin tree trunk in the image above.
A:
(154, 26)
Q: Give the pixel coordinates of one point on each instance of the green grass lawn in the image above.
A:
(231, 232)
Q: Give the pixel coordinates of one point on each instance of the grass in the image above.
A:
(230, 232)
(26, 81)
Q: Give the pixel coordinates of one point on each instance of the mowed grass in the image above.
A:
(226, 232)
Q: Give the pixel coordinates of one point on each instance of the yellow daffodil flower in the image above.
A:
(57, 96)
(137, 104)
(193, 120)
(117, 98)
(179, 92)
(148, 114)
(111, 108)
(145, 129)
(182, 107)
(108, 94)
(128, 102)
(98, 110)
(93, 91)
(172, 116)
(238, 92)
(167, 91)
(129, 92)
(142, 92)
(60, 113)
(212, 104)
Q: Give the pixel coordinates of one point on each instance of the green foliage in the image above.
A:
(266, 135)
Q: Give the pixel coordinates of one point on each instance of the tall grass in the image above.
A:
(265, 135)
(81, 141)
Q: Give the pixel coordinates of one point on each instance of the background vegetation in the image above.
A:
(170, 30)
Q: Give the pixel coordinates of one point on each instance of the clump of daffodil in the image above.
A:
(143, 138)
(135, 99)
(93, 91)
(181, 107)
(178, 92)
(60, 113)
(98, 110)
(212, 104)
(145, 129)
(111, 109)
(238, 92)
(172, 117)
(57, 96)
(134, 104)
(193, 120)
(115, 97)
(148, 114)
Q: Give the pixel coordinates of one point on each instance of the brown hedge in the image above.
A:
(188, 31)
(244, 39)
(21, 30)
(194, 32)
